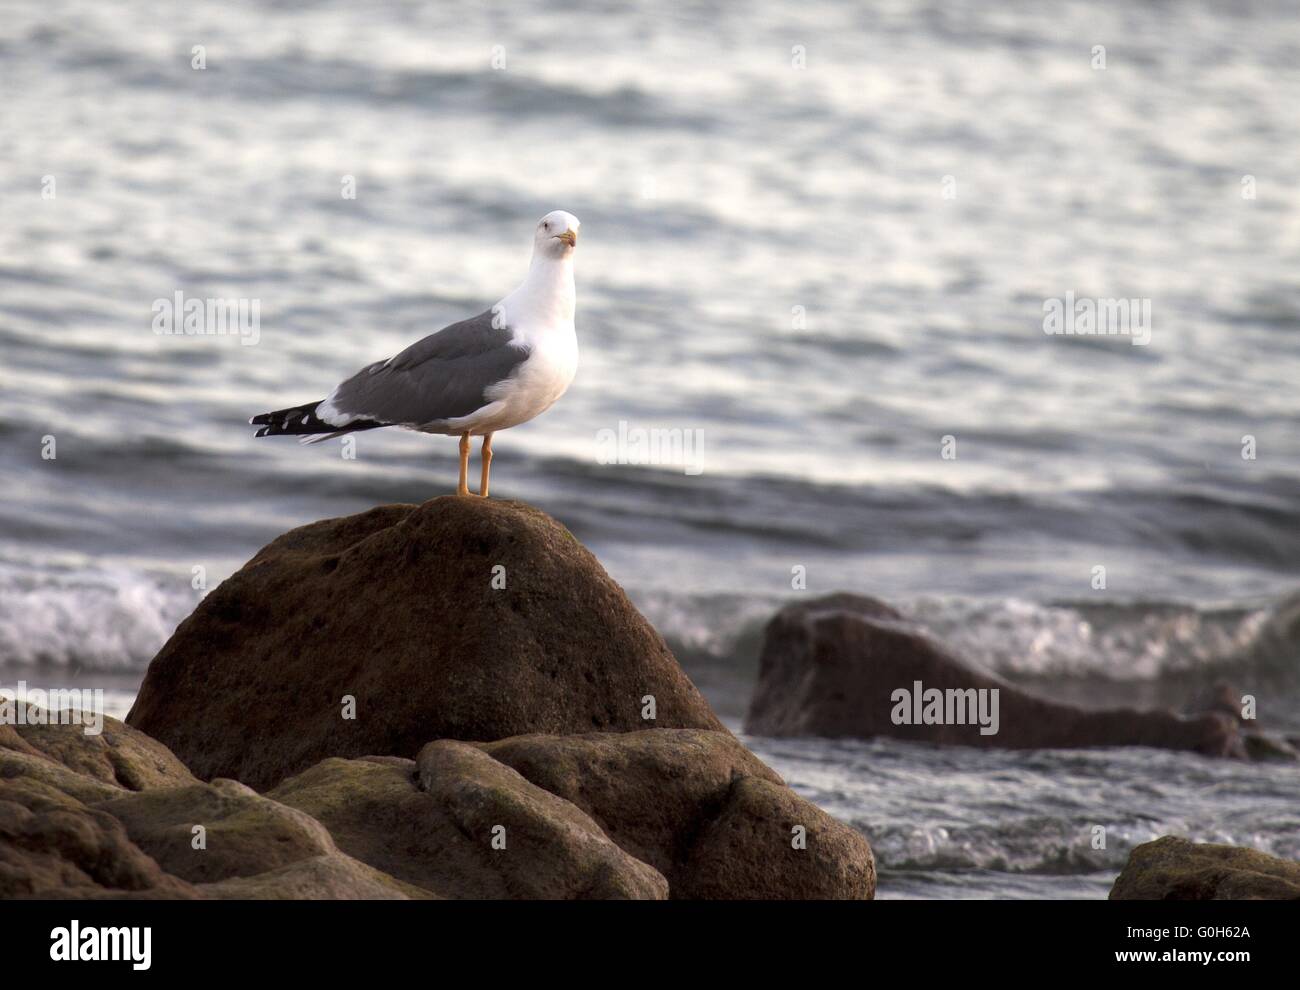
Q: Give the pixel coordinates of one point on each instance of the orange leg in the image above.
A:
(462, 488)
(487, 464)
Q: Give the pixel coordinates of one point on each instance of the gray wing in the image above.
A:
(441, 377)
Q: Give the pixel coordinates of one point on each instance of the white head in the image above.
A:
(557, 235)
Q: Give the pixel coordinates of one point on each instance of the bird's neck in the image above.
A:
(547, 295)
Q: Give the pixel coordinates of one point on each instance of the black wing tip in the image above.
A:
(302, 421)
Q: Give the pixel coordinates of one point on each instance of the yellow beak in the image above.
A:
(570, 237)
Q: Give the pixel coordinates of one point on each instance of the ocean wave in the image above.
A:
(117, 618)
(1030, 845)
(295, 74)
(956, 821)
(1022, 639)
(1213, 521)
(1041, 845)
(1125, 642)
(107, 619)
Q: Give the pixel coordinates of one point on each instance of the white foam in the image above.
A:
(1133, 642)
(114, 619)
(1136, 641)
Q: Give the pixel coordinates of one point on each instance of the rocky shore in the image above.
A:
(449, 700)
(850, 666)
(1174, 869)
(454, 700)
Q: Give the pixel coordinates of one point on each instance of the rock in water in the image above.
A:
(1173, 869)
(831, 667)
(501, 684)
(1227, 700)
(461, 618)
(702, 810)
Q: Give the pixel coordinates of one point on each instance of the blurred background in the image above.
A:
(819, 234)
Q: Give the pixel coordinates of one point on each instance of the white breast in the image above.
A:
(538, 382)
(540, 315)
(535, 385)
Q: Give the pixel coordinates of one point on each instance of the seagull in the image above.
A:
(472, 378)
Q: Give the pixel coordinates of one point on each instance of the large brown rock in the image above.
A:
(1174, 869)
(830, 667)
(396, 608)
(458, 619)
(53, 842)
(67, 831)
(767, 843)
(685, 813)
(251, 846)
(117, 755)
(53, 845)
(436, 827)
(332, 876)
(702, 810)
(665, 812)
